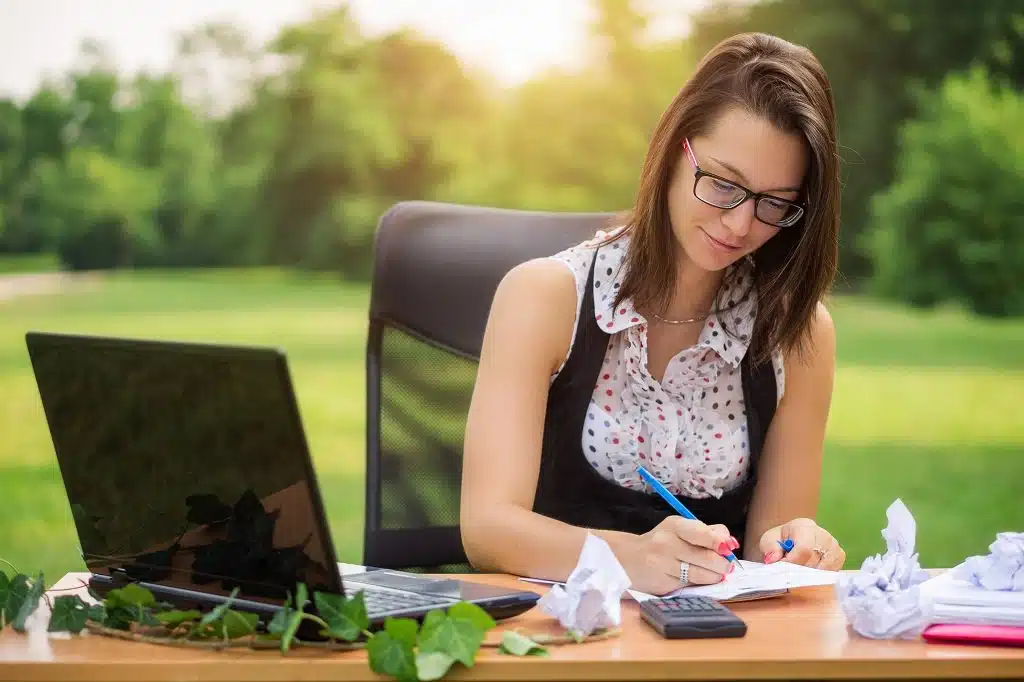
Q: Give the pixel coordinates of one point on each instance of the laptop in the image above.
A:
(188, 472)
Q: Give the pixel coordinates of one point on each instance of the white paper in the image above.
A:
(754, 581)
(954, 600)
(590, 598)
(1002, 569)
(883, 599)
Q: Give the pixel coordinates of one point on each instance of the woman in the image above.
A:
(690, 340)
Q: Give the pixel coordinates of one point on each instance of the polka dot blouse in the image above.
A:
(690, 429)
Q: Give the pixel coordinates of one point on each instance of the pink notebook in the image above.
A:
(997, 635)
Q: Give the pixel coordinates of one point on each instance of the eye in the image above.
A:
(721, 186)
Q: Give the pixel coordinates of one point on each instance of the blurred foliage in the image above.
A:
(287, 153)
(937, 236)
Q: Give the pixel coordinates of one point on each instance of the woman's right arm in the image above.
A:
(527, 337)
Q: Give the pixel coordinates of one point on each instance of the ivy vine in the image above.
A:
(404, 649)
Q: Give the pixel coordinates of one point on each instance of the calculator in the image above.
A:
(691, 617)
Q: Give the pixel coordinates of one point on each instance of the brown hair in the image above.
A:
(785, 84)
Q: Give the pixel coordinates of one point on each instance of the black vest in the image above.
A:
(568, 487)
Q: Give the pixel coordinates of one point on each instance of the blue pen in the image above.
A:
(674, 502)
(786, 545)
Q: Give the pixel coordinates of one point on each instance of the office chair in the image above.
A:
(436, 267)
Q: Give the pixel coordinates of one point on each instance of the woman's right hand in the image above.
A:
(653, 561)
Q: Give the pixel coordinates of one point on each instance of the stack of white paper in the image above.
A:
(983, 590)
(755, 581)
(953, 600)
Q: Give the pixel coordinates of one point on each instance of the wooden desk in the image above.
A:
(800, 636)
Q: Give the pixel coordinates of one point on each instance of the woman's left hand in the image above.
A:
(813, 546)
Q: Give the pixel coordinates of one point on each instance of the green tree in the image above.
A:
(949, 227)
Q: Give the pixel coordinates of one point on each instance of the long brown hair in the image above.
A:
(785, 84)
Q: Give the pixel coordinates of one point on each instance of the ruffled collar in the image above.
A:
(727, 332)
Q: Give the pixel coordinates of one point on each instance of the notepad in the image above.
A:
(993, 635)
(755, 581)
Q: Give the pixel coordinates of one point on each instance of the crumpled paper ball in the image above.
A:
(591, 598)
(882, 600)
(1001, 569)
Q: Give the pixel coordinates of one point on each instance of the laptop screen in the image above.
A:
(185, 464)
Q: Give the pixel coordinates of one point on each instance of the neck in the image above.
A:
(694, 292)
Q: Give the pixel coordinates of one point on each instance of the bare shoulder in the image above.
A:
(535, 306)
(814, 361)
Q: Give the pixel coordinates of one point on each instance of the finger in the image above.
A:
(670, 550)
(835, 557)
(803, 538)
(697, 533)
(823, 547)
(672, 571)
(706, 559)
(770, 544)
(699, 575)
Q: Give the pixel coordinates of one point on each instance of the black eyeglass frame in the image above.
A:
(747, 194)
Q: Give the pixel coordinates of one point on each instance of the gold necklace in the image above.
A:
(706, 315)
(687, 321)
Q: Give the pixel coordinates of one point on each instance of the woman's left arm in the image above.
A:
(785, 500)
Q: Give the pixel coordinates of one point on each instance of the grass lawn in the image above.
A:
(926, 407)
(19, 264)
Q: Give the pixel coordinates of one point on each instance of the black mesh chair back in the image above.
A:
(436, 267)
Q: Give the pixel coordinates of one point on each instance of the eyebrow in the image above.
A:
(736, 171)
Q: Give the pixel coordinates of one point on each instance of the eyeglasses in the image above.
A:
(716, 191)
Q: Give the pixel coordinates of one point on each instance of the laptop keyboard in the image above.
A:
(380, 602)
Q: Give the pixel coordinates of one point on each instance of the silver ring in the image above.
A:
(684, 572)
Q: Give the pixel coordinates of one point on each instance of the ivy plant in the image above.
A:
(404, 649)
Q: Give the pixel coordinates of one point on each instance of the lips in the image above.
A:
(727, 246)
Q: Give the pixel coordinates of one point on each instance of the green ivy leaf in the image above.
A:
(294, 618)
(97, 613)
(402, 629)
(69, 614)
(434, 665)
(515, 644)
(464, 610)
(237, 624)
(391, 656)
(279, 623)
(120, 617)
(215, 616)
(13, 596)
(5, 588)
(458, 637)
(30, 603)
(346, 618)
(131, 595)
(174, 618)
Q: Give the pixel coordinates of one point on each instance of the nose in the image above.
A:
(739, 220)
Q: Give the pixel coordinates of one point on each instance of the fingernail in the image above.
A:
(723, 578)
(724, 548)
(732, 567)
(735, 543)
(771, 557)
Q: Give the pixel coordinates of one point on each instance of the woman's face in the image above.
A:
(746, 150)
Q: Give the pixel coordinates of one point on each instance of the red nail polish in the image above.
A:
(735, 543)
(724, 548)
(771, 557)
